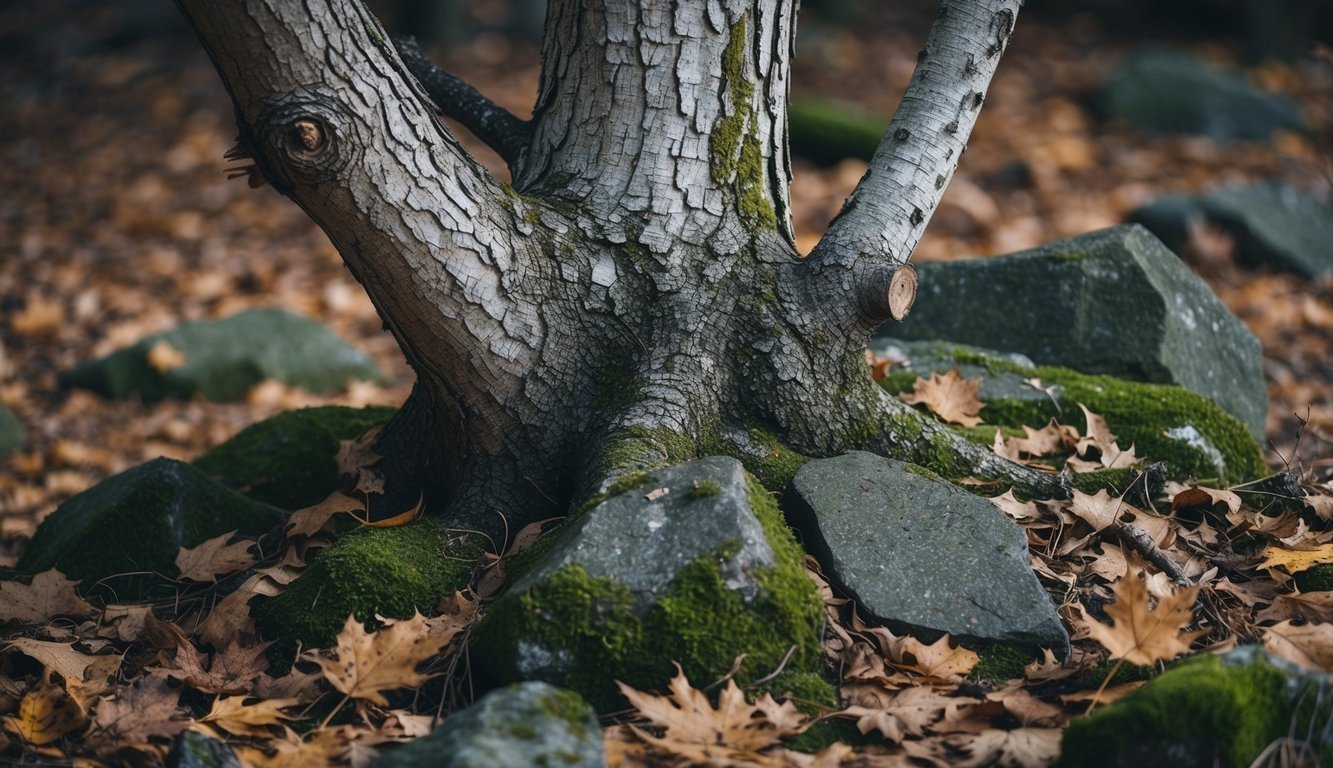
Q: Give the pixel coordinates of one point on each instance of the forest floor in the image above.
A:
(117, 221)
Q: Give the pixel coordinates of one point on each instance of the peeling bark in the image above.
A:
(635, 298)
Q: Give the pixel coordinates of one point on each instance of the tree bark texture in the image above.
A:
(634, 298)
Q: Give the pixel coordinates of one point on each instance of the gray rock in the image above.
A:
(1270, 224)
(1114, 302)
(919, 553)
(11, 430)
(122, 535)
(192, 749)
(688, 564)
(1188, 431)
(222, 359)
(1209, 711)
(1163, 91)
(528, 725)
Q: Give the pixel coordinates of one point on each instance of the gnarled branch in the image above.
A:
(502, 131)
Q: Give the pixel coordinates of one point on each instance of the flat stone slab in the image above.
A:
(1270, 224)
(1114, 302)
(222, 359)
(524, 725)
(921, 554)
(1165, 91)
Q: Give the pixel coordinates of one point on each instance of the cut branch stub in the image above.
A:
(902, 292)
(889, 292)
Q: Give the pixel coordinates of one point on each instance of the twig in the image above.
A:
(777, 671)
(1138, 540)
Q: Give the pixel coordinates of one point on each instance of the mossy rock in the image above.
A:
(1316, 579)
(122, 535)
(1187, 431)
(11, 430)
(632, 585)
(288, 461)
(368, 572)
(222, 359)
(827, 131)
(1206, 711)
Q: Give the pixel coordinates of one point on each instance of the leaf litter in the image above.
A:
(108, 684)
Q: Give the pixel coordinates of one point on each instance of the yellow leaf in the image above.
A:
(49, 594)
(1142, 634)
(369, 663)
(233, 715)
(951, 397)
(214, 558)
(45, 714)
(1295, 560)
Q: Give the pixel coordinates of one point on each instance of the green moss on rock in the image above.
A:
(389, 572)
(288, 461)
(1316, 579)
(1001, 662)
(123, 533)
(584, 632)
(1200, 713)
(1187, 431)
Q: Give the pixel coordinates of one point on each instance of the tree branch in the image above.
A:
(501, 130)
(883, 219)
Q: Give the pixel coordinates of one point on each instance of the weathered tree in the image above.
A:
(634, 298)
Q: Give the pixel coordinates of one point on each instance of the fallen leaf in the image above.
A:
(45, 714)
(951, 397)
(60, 658)
(214, 558)
(1099, 510)
(1295, 560)
(358, 453)
(937, 659)
(368, 663)
(47, 596)
(146, 710)
(1142, 634)
(1310, 645)
(907, 712)
(1019, 748)
(231, 671)
(256, 719)
(163, 357)
(309, 521)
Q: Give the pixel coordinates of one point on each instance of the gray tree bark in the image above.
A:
(634, 298)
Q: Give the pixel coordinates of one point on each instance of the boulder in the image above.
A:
(918, 553)
(368, 572)
(11, 430)
(1270, 224)
(1189, 432)
(122, 535)
(1114, 302)
(1208, 711)
(289, 460)
(691, 563)
(1163, 91)
(524, 725)
(222, 359)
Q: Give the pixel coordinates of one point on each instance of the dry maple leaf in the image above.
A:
(1099, 510)
(233, 670)
(1019, 748)
(49, 594)
(935, 660)
(369, 663)
(1142, 634)
(951, 397)
(214, 558)
(908, 712)
(45, 714)
(694, 729)
(60, 658)
(257, 719)
(142, 711)
(1310, 645)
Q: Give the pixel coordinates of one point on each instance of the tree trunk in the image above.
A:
(634, 298)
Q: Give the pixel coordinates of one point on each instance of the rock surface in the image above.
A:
(193, 749)
(222, 359)
(1270, 224)
(529, 725)
(123, 533)
(1208, 711)
(919, 553)
(691, 563)
(1163, 91)
(1113, 302)
(11, 430)
(289, 460)
(1189, 432)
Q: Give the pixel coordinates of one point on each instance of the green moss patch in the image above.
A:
(288, 461)
(737, 158)
(389, 572)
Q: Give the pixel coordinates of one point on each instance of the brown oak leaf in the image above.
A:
(47, 596)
